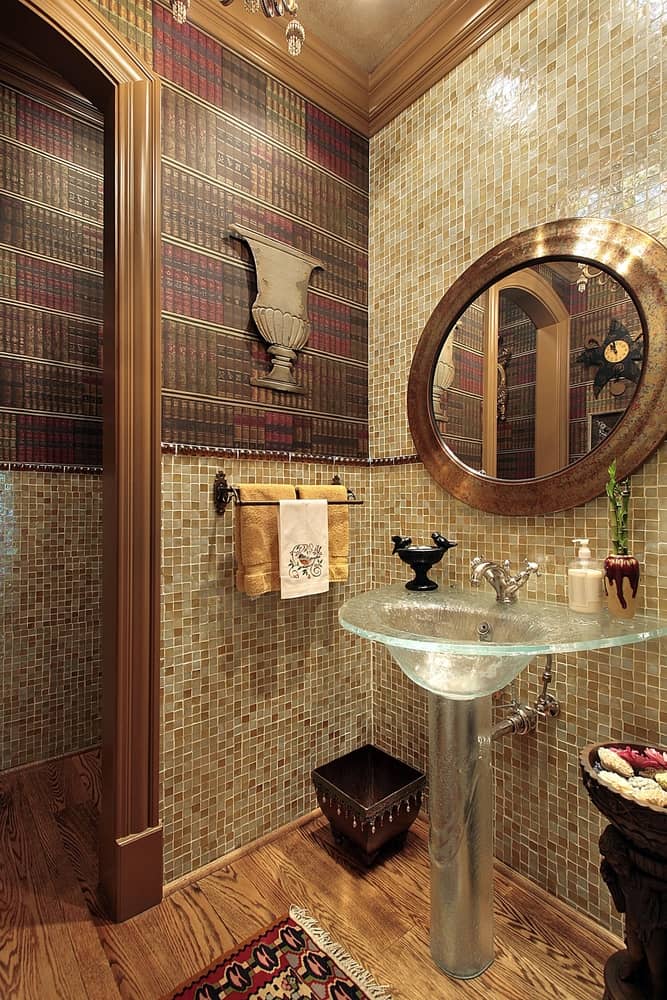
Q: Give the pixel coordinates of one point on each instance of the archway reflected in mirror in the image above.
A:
(537, 370)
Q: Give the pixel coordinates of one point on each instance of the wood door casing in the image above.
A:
(81, 45)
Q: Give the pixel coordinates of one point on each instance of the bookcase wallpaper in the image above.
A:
(458, 409)
(133, 20)
(50, 282)
(516, 432)
(239, 147)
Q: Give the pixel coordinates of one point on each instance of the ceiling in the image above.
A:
(364, 31)
(364, 61)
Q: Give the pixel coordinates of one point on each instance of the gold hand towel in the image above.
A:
(256, 538)
(339, 527)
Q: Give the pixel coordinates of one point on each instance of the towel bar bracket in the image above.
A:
(224, 494)
(351, 495)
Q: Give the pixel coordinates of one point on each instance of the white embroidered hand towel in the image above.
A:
(303, 546)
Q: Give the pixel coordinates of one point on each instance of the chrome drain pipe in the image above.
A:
(523, 718)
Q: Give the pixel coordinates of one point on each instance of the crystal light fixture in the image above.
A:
(295, 36)
(294, 32)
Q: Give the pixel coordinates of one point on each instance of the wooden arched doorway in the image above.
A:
(77, 42)
(536, 298)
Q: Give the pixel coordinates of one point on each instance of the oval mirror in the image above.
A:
(544, 361)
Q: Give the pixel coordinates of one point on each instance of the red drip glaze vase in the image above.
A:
(621, 582)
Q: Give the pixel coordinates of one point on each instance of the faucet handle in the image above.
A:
(533, 567)
(474, 564)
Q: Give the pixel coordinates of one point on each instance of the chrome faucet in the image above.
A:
(503, 582)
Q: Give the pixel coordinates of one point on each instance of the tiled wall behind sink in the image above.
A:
(256, 692)
(545, 826)
(558, 115)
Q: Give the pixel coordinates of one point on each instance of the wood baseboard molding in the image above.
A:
(239, 852)
(136, 873)
(565, 909)
(94, 748)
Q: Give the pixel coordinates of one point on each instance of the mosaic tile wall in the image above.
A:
(558, 115)
(50, 397)
(50, 614)
(255, 692)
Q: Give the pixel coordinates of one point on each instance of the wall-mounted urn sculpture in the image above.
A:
(280, 310)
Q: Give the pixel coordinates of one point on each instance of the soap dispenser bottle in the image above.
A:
(584, 580)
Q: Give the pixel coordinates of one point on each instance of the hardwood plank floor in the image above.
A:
(55, 943)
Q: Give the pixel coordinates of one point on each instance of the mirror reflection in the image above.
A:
(538, 369)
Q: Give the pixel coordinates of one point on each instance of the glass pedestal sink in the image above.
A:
(461, 647)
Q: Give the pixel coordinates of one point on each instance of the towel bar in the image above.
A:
(224, 494)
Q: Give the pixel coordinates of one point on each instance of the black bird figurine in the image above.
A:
(421, 558)
(441, 541)
(400, 542)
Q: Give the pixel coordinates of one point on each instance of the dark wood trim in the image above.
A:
(81, 45)
(130, 730)
(136, 870)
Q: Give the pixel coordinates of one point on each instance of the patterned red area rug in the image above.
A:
(292, 960)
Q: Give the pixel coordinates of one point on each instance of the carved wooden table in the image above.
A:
(634, 867)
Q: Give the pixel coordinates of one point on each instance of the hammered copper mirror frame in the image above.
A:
(639, 263)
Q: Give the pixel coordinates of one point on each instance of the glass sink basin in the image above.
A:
(463, 646)
(435, 636)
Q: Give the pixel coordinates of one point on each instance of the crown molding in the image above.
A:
(444, 40)
(365, 102)
(320, 74)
